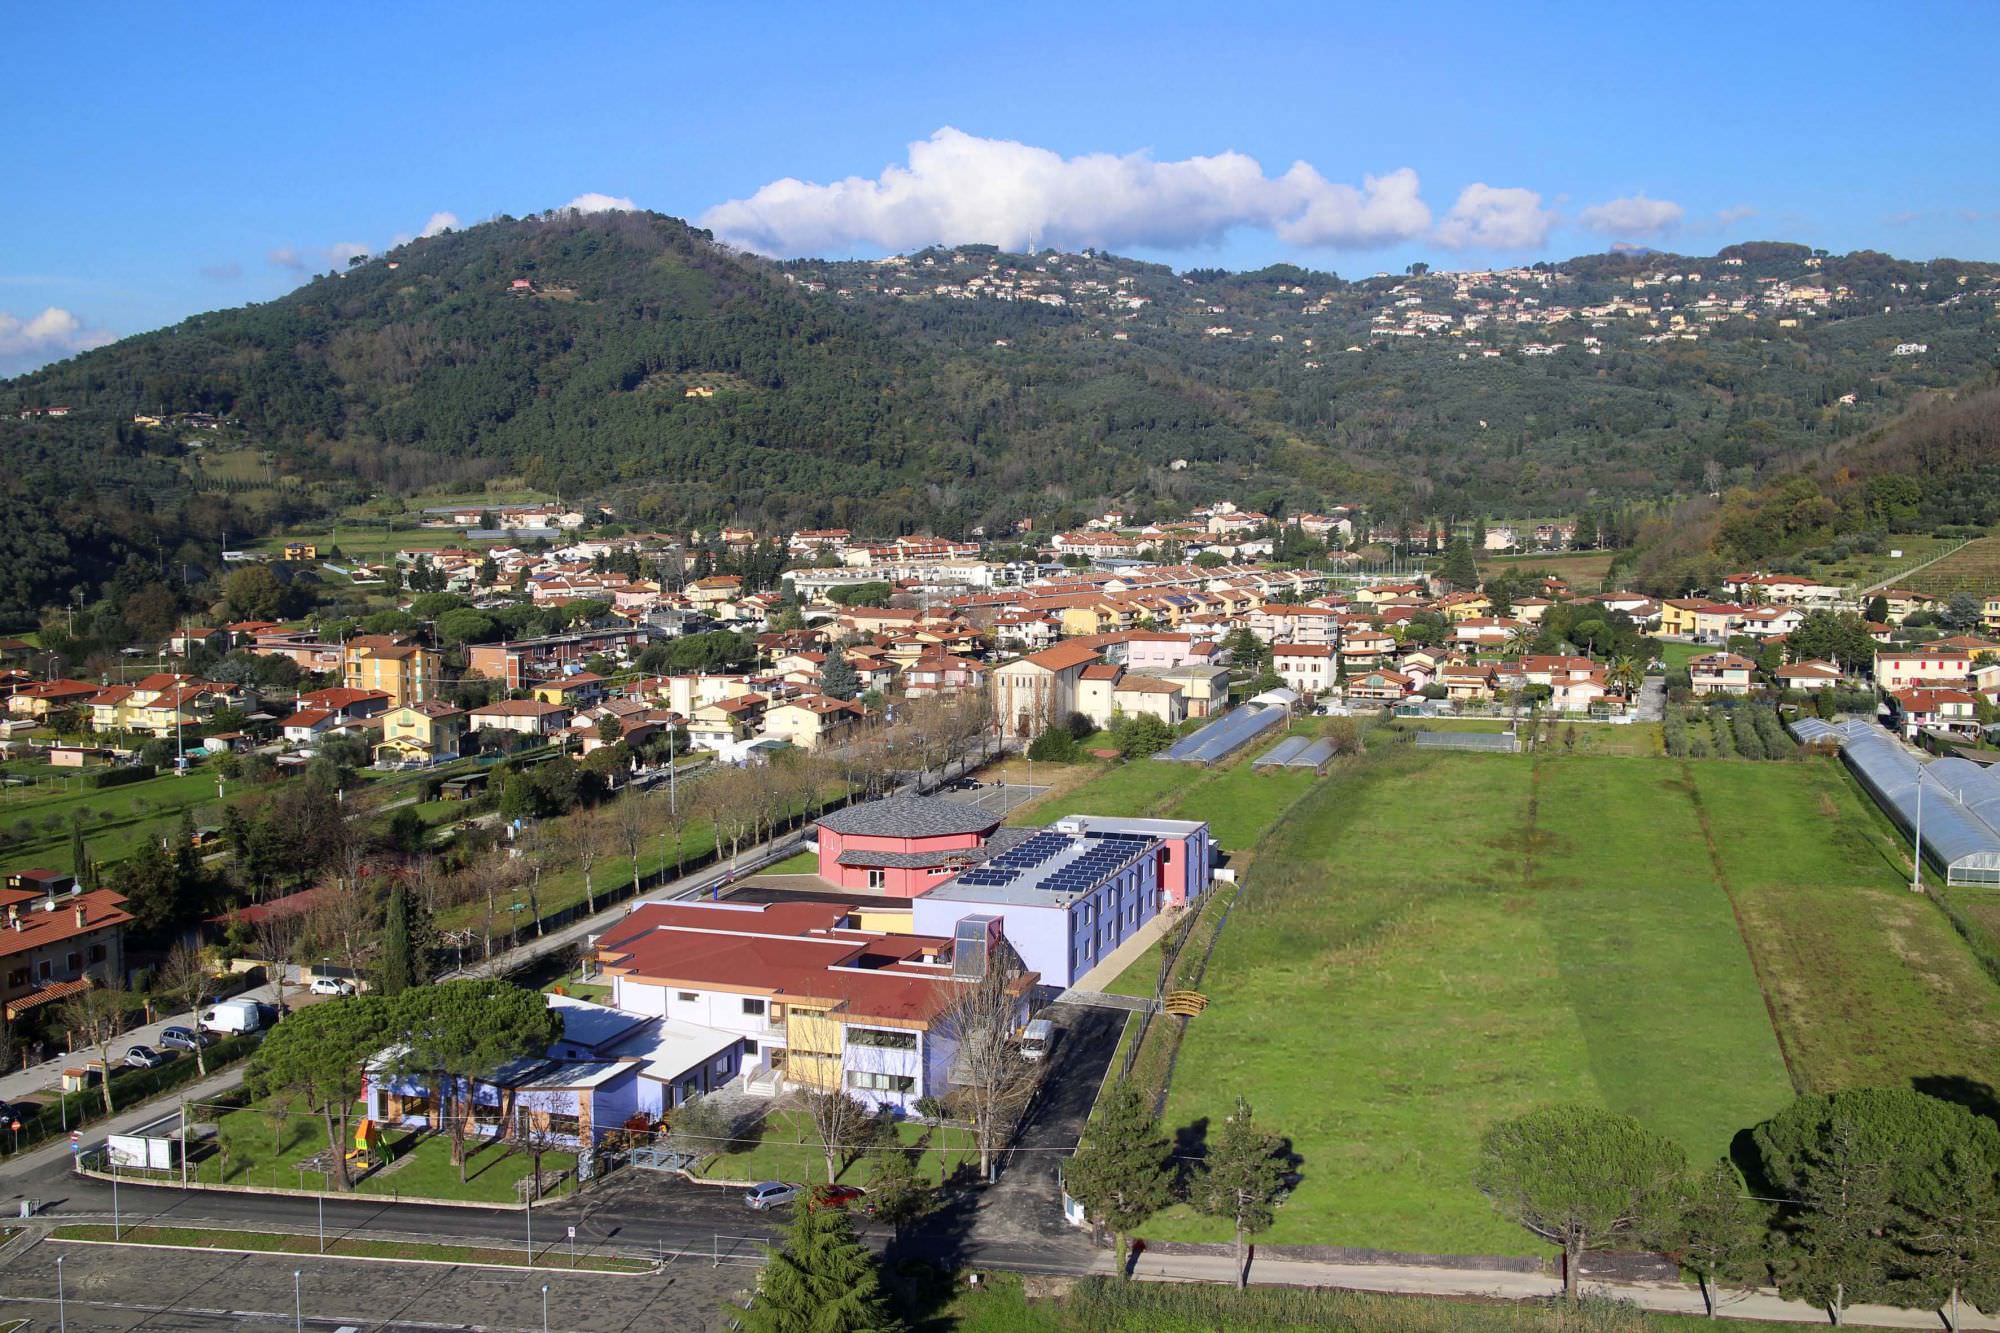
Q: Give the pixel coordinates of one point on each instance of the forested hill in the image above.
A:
(627, 355)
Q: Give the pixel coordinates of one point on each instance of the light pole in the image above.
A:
(114, 1190)
(545, 1307)
(298, 1305)
(62, 1307)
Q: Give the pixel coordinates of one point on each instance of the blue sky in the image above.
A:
(163, 160)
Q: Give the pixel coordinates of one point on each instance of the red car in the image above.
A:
(834, 1196)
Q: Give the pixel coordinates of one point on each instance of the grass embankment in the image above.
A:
(554, 1255)
(1438, 941)
(261, 1146)
(783, 1148)
(1004, 1303)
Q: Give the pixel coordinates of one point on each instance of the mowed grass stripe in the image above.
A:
(1657, 975)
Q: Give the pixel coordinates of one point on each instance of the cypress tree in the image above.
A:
(79, 855)
(821, 1281)
(398, 972)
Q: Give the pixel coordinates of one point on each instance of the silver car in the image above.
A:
(770, 1194)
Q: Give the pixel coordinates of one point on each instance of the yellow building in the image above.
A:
(423, 733)
(301, 551)
(408, 673)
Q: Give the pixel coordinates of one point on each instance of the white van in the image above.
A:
(1036, 1038)
(232, 1017)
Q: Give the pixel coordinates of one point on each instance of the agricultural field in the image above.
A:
(36, 819)
(1974, 568)
(1629, 738)
(1584, 571)
(1387, 991)
(373, 541)
(1869, 982)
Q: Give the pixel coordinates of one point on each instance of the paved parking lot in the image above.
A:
(111, 1289)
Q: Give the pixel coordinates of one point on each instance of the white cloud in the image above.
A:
(1739, 213)
(1493, 217)
(39, 339)
(594, 202)
(342, 251)
(440, 222)
(958, 187)
(1634, 215)
(286, 256)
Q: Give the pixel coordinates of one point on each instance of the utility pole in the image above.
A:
(1917, 859)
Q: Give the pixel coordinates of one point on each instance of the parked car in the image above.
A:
(834, 1196)
(233, 1016)
(145, 1057)
(184, 1039)
(770, 1194)
(331, 986)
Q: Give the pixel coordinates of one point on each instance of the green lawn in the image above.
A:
(263, 1147)
(1432, 942)
(784, 1149)
(1677, 654)
(1134, 788)
(800, 863)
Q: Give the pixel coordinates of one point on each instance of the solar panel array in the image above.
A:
(1101, 855)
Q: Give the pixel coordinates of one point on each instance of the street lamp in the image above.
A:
(298, 1306)
(545, 1307)
(62, 1307)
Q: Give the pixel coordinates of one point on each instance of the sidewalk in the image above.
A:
(1664, 1298)
(41, 1080)
(34, 1161)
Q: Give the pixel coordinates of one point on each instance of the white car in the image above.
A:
(331, 986)
(770, 1194)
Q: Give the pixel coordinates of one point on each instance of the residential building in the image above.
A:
(421, 733)
(407, 672)
(1722, 673)
(1901, 669)
(57, 941)
(1032, 693)
(813, 721)
(1934, 709)
(530, 717)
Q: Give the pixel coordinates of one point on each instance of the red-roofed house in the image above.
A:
(1934, 709)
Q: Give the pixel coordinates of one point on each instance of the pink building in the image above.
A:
(902, 846)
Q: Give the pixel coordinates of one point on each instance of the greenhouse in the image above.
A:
(1951, 805)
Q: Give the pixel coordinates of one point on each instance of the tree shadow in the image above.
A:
(1190, 1150)
(1973, 1094)
(920, 1267)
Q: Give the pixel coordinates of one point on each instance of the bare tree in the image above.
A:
(583, 840)
(840, 1123)
(529, 1133)
(630, 824)
(277, 935)
(345, 923)
(94, 1016)
(183, 979)
(991, 1083)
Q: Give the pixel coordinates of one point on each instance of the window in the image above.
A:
(858, 1078)
(76, 962)
(894, 1041)
(754, 1008)
(555, 1124)
(877, 878)
(18, 977)
(96, 953)
(688, 997)
(749, 1046)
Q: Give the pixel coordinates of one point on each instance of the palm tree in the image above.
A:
(1627, 674)
(1520, 640)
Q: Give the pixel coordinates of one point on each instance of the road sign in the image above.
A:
(572, 1233)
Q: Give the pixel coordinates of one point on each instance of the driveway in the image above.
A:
(1652, 705)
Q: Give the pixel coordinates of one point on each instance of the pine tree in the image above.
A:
(821, 1281)
(1458, 568)
(1242, 1178)
(838, 679)
(1122, 1172)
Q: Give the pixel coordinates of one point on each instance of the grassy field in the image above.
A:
(1458, 937)
(371, 542)
(785, 1149)
(1677, 655)
(1628, 738)
(1974, 569)
(1870, 983)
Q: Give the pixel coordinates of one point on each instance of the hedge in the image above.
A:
(118, 777)
(129, 1087)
